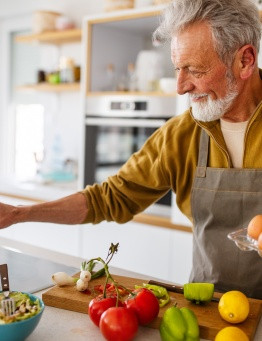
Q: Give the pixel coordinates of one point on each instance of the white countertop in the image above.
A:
(58, 324)
(36, 190)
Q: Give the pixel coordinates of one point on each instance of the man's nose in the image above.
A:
(184, 84)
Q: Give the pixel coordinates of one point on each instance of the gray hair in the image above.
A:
(234, 23)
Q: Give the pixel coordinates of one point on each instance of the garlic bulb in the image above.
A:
(81, 285)
(85, 275)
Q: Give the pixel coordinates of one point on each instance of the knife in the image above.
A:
(175, 288)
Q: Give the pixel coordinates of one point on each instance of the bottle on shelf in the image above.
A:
(128, 80)
(66, 69)
(131, 77)
(110, 78)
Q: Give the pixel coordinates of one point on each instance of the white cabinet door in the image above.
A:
(149, 250)
(181, 255)
(60, 238)
(142, 248)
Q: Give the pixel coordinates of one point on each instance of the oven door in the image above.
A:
(109, 142)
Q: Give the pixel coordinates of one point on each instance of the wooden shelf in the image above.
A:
(50, 87)
(52, 37)
(130, 93)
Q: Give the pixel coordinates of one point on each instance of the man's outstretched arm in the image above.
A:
(68, 210)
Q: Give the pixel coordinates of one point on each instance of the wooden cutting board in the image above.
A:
(208, 316)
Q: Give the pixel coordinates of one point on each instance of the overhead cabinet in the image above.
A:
(115, 41)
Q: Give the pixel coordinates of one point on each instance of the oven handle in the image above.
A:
(125, 122)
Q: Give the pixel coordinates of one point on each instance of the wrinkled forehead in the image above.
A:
(195, 39)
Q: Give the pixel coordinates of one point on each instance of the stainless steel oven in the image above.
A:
(116, 127)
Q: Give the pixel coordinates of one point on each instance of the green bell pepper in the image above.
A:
(160, 293)
(179, 325)
(199, 292)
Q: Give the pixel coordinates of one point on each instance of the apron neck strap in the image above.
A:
(202, 154)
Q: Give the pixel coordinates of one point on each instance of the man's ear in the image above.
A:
(246, 61)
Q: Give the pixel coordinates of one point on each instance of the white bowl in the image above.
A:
(167, 85)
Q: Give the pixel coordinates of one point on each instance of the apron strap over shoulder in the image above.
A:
(203, 155)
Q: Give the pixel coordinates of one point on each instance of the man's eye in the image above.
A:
(196, 73)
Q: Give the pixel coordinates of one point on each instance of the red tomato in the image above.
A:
(110, 288)
(118, 324)
(144, 303)
(100, 287)
(100, 304)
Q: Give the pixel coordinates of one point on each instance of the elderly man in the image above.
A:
(210, 155)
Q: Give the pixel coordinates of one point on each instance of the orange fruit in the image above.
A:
(233, 306)
(254, 228)
(231, 334)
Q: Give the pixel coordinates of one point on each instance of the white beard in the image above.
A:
(211, 110)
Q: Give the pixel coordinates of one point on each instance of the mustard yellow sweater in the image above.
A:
(167, 160)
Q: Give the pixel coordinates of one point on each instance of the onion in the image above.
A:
(62, 278)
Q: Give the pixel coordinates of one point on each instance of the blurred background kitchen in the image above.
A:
(82, 87)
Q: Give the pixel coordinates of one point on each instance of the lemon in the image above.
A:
(231, 334)
(233, 306)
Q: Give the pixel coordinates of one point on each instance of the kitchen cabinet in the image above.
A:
(150, 250)
(56, 38)
(116, 39)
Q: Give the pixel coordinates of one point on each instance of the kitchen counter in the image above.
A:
(36, 191)
(67, 325)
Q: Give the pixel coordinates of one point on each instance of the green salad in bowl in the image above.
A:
(20, 325)
(25, 308)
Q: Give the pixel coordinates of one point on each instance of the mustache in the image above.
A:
(197, 96)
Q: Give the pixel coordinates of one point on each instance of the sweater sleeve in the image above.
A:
(139, 183)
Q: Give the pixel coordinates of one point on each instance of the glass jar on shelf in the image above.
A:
(66, 69)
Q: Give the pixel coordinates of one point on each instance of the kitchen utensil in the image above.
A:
(243, 241)
(8, 303)
(175, 288)
(208, 317)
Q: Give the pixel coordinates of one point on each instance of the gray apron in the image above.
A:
(224, 200)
